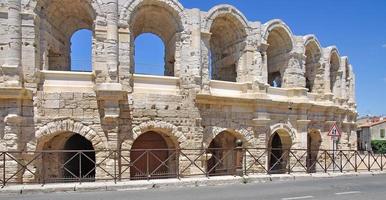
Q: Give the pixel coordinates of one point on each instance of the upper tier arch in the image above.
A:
(225, 10)
(275, 24)
(308, 39)
(173, 6)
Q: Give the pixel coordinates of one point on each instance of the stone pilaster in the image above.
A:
(109, 96)
(294, 73)
(111, 43)
(264, 62)
(205, 65)
(12, 68)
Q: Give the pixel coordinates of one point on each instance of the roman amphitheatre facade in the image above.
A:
(228, 82)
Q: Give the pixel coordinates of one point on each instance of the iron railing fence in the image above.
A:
(143, 164)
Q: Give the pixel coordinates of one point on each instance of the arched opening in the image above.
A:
(313, 67)
(153, 155)
(149, 55)
(314, 141)
(278, 54)
(227, 43)
(68, 157)
(334, 73)
(81, 50)
(59, 20)
(279, 148)
(225, 153)
(159, 19)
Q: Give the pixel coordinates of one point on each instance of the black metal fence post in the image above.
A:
(147, 165)
(325, 161)
(115, 166)
(356, 161)
(43, 170)
(80, 167)
(4, 182)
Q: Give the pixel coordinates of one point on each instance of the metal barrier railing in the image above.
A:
(144, 164)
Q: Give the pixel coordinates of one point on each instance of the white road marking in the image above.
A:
(293, 198)
(346, 193)
(132, 189)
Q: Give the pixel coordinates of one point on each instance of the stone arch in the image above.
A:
(228, 31)
(82, 13)
(58, 21)
(245, 135)
(312, 39)
(225, 9)
(35, 5)
(163, 18)
(162, 127)
(334, 69)
(287, 127)
(131, 5)
(279, 38)
(280, 141)
(314, 71)
(276, 24)
(54, 128)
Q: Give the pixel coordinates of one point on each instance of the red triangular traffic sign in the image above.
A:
(334, 131)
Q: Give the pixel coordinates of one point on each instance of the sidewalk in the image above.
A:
(169, 183)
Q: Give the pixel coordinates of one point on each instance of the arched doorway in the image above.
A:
(313, 144)
(153, 155)
(279, 146)
(225, 155)
(68, 157)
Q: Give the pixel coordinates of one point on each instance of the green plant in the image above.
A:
(379, 146)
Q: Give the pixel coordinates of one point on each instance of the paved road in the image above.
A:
(339, 188)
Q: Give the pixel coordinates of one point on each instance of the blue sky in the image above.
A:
(356, 27)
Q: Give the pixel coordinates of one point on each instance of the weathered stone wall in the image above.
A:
(111, 108)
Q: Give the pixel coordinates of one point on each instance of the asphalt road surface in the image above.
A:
(350, 188)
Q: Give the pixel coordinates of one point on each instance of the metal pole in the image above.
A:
(4, 169)
(43, 170)
(333, 154)
(115, 167)
(356, 162)
(80, 167)
(147, 165)
(325, 161)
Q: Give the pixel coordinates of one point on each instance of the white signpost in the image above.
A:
(335, 134)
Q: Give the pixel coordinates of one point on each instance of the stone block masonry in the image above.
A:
(261, 87)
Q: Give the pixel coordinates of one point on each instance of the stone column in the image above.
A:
(111, 43)
(294, 74)
(302, 143)
(263, 131)
(188, 51)
(247, 69)
(205, 65)
(12, 134)
(264, 63)
(12, 68)
(125, 67)
(109, 96)
(352, 90)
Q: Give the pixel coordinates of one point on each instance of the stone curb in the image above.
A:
(171, 183)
